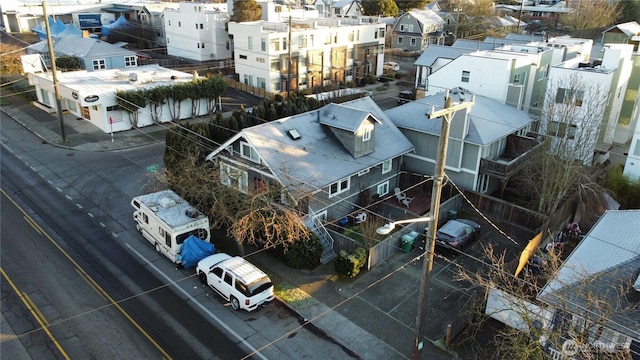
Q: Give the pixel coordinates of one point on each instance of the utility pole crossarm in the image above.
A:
(449, 110)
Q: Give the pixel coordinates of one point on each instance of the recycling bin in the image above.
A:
(407, 240)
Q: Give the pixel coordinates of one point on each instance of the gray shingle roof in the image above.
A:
(490, 120)
(435, 52)
(318, 159)
(343, 117)
(603, 267)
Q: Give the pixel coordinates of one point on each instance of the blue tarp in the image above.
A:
(120, 23)
(55, 26)
(195, 249)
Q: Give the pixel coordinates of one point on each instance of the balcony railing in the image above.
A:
(518, 150)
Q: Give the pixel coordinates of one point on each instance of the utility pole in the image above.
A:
(289, 59)
(438, 177)
(53, 71)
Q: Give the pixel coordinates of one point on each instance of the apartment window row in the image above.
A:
(200, 26)
(340, 187)
(200, 45)
(406, 27)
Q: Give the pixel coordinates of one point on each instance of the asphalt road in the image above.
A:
(82, 200)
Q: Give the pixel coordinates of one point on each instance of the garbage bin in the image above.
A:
(407, 240)
(452, 214)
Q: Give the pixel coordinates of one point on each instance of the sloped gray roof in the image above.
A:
(86, 48)
(472, 45)
(426, 16)
(435, 52)
(489, 121)
(318, 159)
(343, 117)
(602, 267)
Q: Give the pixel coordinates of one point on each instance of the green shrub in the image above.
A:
(349, 264)
(302, 254)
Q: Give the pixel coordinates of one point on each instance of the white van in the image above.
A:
(240, 282)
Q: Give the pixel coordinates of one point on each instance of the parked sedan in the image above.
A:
(391, 65)
(457, 233)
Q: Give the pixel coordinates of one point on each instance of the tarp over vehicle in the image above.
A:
(195, 249)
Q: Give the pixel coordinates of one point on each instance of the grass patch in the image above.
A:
(293, 296)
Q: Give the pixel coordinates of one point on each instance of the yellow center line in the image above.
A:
(35, 312)
(90, 280)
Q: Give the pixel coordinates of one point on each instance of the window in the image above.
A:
(261, 83)
(401, 27)
(233, 177)
(382, 189)
(517, 78)
(99, 64)
(274, 45)
(411, 28)
(71, 105)
(413, 41)
(366, 136)
(400, 40)
(386, 166)
(339, 187)
(169, 22)
(275, 65)
(303, 41)
(201, 26)
(248, 152)
(130, 61)
(263, 44)
(250, 42)
(562, 130)
(636, 151)
(483, 183)
(260, 60)
(381, 32)
(243, 57)
(363, 172)
(569, 96)
(179, 24)
(543, 72)
(465, 76)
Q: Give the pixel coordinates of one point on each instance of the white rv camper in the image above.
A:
(166, 220)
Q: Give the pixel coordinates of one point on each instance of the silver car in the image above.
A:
(457, 233)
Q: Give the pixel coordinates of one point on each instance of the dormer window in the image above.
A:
(366, 136)
(248, 152)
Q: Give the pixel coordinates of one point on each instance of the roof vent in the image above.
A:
(167, 202)
(294, 134)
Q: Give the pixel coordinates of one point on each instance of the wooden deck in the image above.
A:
(420, 205)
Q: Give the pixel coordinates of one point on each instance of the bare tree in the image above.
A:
(579, 312)
(572, 121)
(590, 17)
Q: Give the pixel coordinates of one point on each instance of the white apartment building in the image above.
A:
(594, 87)
(312, 53)
(514, 74)
(196, 31)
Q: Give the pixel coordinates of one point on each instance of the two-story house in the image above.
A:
(592, 89)
(595, 293)
(307, 53)
(93, 53)
(321, 160)
(416, 29)
(197, 31)
(488, 141)
(152, 16)
(345, 8)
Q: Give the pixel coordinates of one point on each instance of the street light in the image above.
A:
(386, 228)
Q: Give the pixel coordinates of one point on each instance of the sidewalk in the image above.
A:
(371, 316)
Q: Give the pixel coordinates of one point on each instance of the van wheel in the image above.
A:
(202, 278)
(157, 247)
(235, 304)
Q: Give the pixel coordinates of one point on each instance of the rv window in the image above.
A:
(145, 218)
(136, 204)
(167, 238)
(201, 233)
(161, 231)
